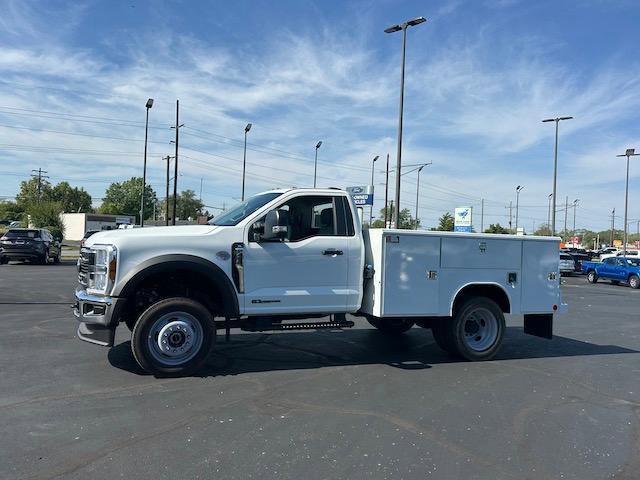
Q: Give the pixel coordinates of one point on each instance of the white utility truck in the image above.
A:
(299, 259)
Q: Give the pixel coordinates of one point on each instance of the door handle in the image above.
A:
(332, 251)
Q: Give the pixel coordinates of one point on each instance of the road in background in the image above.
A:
(332, 404)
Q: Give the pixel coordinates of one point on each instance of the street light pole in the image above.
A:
(631, 152)
(386, 193)
(418, 195)
(315, 165)
(244, 157)
(373, 164)
(575, 207)
(549, 213)
(144, 168)
(518, 190)
(392, 29)
(555, 170)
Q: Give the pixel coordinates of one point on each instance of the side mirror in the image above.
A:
(276, 225)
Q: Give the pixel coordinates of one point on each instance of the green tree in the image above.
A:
(188, 205)
(72, 199)
(46, 214)
(445, 223)
(28, 193)
(10, 211)
(496, 228)
(405, 222)
(124, 199)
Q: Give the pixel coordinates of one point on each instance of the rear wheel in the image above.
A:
(3, 260)
(44, 259)
(173, 337)
(56, 259)
(634, 281)
(394, 326)
(476, 330)
(592, 277)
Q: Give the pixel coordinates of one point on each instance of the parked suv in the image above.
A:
(34, 244)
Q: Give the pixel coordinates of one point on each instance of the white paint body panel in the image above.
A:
(401, 285)
(300, 279)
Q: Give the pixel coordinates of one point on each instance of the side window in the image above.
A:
(620, 262)
(608, 261)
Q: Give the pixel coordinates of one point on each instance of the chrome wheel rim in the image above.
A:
(175, 338)
(480, 329)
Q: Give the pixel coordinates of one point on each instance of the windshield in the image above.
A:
(22, 234)
(242, 210)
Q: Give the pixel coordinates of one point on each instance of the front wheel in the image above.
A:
(634, 282)
(592, 277)
(173, 337)
(476, 330)
(393, 326)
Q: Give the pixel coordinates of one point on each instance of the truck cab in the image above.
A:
(299, 259)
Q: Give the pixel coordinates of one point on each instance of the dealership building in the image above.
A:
(77, 224)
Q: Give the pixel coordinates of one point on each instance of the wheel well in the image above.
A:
(493, 292)
(175, 283)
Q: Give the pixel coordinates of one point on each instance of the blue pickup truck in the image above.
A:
(616, 269)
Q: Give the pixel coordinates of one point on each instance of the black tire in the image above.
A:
(634, 282)
(477, 314)
(3, 260)
(393, 326)
(44, 259)
(592, 277)
(56, 259)
(440, 330)
(186, 310)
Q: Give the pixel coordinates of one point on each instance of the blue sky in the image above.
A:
(74, 78)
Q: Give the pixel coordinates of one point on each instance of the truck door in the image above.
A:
(308, 271)
(620, 269)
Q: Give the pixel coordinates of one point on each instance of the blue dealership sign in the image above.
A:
(362, 195)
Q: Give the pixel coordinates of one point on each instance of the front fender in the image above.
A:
(128, 284)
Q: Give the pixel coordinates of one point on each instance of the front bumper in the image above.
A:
(97, 316)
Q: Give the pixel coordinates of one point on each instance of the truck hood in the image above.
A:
(148, 233)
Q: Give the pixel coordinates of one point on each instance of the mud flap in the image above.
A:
(539, 325)
(98, 334)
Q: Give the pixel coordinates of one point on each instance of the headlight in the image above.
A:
(104, 271)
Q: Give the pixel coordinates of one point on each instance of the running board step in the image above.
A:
(297, 326)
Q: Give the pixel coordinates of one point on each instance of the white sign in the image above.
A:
(463, 219)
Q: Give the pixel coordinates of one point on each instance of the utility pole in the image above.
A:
(373, 164)
(40, 177)
(575, 207)
(201, 189)
(482, 216)
(175, 166)
(613, 223)
(391, 211)
(510, 207)
(566, 208)
(166, 201)
(386, 193)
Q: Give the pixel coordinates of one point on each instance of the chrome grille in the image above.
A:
(86, 264)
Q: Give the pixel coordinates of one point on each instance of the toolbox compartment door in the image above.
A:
(411, 275)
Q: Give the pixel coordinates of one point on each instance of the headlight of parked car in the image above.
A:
(104, 271)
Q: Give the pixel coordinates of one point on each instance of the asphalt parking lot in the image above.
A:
(332, 404)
